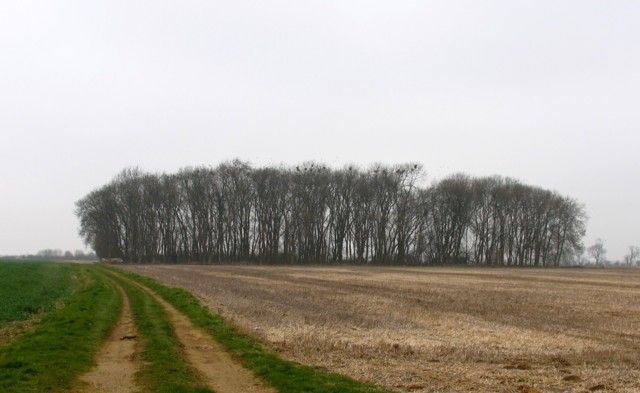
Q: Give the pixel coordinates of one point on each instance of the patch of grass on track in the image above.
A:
(285, 376)
(28, 288)
(62, 346)
(163, 370)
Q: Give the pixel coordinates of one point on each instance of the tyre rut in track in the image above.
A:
(217, 368)
(117, 360)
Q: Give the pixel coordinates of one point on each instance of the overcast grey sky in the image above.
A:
(543, 91)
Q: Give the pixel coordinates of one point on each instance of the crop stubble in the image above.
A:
(437, 329)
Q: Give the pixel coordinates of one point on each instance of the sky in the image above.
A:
(546, 92)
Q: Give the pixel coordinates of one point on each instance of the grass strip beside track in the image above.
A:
(163, 370)
(285, 376)
(62, 346)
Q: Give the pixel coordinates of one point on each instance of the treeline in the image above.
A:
(55, 254)
(313, 214)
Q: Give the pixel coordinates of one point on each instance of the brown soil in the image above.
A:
(13, 329)
(217, 368)
(116, 363)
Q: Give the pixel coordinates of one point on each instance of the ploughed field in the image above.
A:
(437, 329)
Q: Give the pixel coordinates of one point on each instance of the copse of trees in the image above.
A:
(313, 214)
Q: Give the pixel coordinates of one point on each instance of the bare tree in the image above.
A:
(632, 256)
(597, 252)
(451, 209)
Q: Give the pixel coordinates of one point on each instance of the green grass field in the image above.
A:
(49, 357)
(28, 288)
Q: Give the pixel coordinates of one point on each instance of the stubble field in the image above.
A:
(437, 329)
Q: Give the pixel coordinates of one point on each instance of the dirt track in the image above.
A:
(217, 368)
(117, 362)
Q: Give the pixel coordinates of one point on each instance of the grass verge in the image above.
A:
(163, 369)
(285, 376)
(48, 358)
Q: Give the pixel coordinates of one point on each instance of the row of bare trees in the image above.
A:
(313, 214)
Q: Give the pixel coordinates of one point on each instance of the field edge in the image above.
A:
(286, 376)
